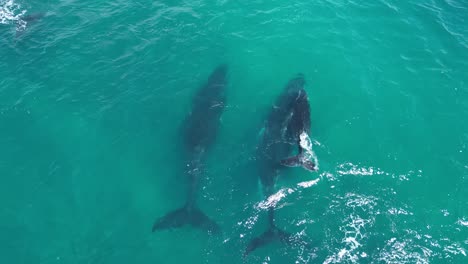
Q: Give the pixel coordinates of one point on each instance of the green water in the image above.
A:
(93, 95)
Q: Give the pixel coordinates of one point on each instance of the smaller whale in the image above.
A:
(287, 120)
(299, 124)
(26, 20)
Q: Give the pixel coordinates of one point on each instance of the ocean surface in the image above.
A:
(93, 95)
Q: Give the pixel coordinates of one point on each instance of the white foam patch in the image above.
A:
(403, 251)
(399, 211)
(305, 221)
(250, 222)
(354, 229)
(455, 249)
(11, 12)
(354, 200)
(306, 144)
(353, 234)
(352, 169)
(273, 199)
(348, 168)
(462, 222)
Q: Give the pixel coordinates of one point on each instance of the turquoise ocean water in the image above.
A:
(93, 95)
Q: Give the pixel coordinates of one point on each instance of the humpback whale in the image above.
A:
(299, 124)
(199, 132)
(287, 120)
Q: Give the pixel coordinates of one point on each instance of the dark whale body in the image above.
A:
(199, 133)
(287, 120)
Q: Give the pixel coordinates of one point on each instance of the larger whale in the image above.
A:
(288, 119)
(199, 132)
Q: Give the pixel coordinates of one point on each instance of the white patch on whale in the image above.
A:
(306, 144)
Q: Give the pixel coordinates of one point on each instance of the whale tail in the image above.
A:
(299, 161)
(186, 216)
(272, 234)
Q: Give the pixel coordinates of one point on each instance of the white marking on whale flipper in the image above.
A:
(306, 144)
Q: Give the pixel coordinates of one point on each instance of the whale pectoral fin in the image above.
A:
(293, 161)
(298, 161)
(308, 165)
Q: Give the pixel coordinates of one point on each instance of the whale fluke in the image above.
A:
(299, 161)
(186, 216)
(272, 234)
